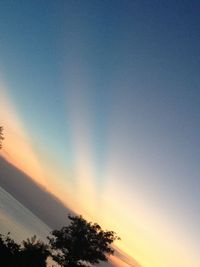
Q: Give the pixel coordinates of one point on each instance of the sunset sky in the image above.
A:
(100, 102)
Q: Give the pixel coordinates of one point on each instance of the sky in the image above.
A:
(100, 102)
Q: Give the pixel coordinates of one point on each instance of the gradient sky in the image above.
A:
(100, 101)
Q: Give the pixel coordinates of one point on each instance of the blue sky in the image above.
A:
(115, 84)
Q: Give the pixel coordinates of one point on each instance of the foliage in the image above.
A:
(9, 251)
(34, 253)
(81, 243)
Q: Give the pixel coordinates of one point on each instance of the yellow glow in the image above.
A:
(119, 263)
(147, 235)
(17, 148)
(19, 151)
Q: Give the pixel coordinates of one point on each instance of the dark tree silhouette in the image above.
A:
(34, 253)
(1, 136)
(9, 251)
(81, 243)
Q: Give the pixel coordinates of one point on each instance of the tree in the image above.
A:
(9, 251)
(34, 253)
(81, 243)
(1, 136)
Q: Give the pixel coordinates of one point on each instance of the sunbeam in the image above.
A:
(17, 148)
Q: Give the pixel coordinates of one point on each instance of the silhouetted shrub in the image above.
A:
(34, 253)
(9, 251)
(81, 243)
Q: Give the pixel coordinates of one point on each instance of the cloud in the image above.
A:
(35, 198)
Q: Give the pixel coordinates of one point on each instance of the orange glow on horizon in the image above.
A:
(138, 242)
(119, 263)
(17, 147)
